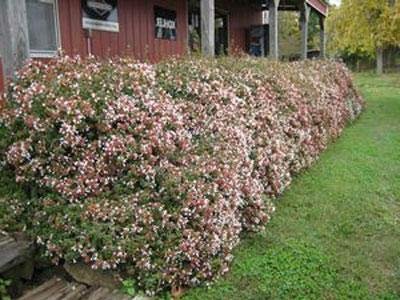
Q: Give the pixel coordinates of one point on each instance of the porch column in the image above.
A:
(14, 44)
(273, 29)
(322, 37)
(1, 77)
(304, 18)
(207, 12)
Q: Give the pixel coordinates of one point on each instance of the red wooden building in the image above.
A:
(137, 36)
(145, 29)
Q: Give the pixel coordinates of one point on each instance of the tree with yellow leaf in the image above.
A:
(365, 27)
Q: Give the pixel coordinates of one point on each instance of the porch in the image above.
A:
(267, 26)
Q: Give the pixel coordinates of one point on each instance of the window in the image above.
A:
(165, 23)
(42, 27)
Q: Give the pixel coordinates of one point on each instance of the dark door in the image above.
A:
(221, 34)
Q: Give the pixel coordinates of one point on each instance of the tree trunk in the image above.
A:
(379, 61)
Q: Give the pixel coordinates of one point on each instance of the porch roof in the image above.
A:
(320, 6)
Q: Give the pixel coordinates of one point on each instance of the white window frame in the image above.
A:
(49, 53)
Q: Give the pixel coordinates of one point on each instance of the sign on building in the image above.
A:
(100, 15)
(265, 17)
(165, 23)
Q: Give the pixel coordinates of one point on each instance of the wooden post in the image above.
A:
(2, 83)
(14, 43)
(322, 37)
(207, 12)
(304, 18)
(273, 29)
(379, 60)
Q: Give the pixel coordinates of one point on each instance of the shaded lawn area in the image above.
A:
(336, 231)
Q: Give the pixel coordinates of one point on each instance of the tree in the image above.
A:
(290, 34)
(365, 27)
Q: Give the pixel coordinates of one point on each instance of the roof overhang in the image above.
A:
(319, 6)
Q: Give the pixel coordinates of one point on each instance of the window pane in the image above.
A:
(41, 25)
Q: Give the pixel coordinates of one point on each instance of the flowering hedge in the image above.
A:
(156, 170)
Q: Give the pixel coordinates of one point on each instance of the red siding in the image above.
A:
(72, 35)
(241, 17)
(136, 36)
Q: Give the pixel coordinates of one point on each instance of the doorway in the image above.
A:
(221, 33)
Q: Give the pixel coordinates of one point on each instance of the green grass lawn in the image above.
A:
(336, 231)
